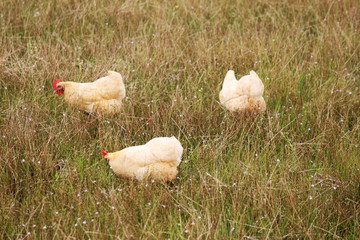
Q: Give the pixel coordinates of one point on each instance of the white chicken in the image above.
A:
(244, 95)
(101, 96)
(157, 159)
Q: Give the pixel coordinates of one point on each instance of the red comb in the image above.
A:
(55, 83)
(103, 153)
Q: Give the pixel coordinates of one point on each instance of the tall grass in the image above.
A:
(292, 172)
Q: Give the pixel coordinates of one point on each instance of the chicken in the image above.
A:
(244, 95)
(101, 96)
(157, 159)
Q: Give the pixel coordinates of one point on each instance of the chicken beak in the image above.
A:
(104, 157)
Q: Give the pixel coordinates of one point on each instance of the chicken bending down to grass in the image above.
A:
(158, 159)
(244, 95)
(103, 96)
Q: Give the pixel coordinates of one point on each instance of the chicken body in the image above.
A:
(244, 95)
(157, 159)
(101, 96)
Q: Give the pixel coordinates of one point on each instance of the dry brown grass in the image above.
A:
(290, 173)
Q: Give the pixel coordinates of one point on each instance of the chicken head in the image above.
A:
(58, 87)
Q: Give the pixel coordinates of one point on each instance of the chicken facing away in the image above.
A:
(101, 96)
(243, 95)
(157, 159)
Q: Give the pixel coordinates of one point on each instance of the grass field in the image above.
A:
(293, 172)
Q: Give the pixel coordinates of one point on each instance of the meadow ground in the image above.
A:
(292, 172)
